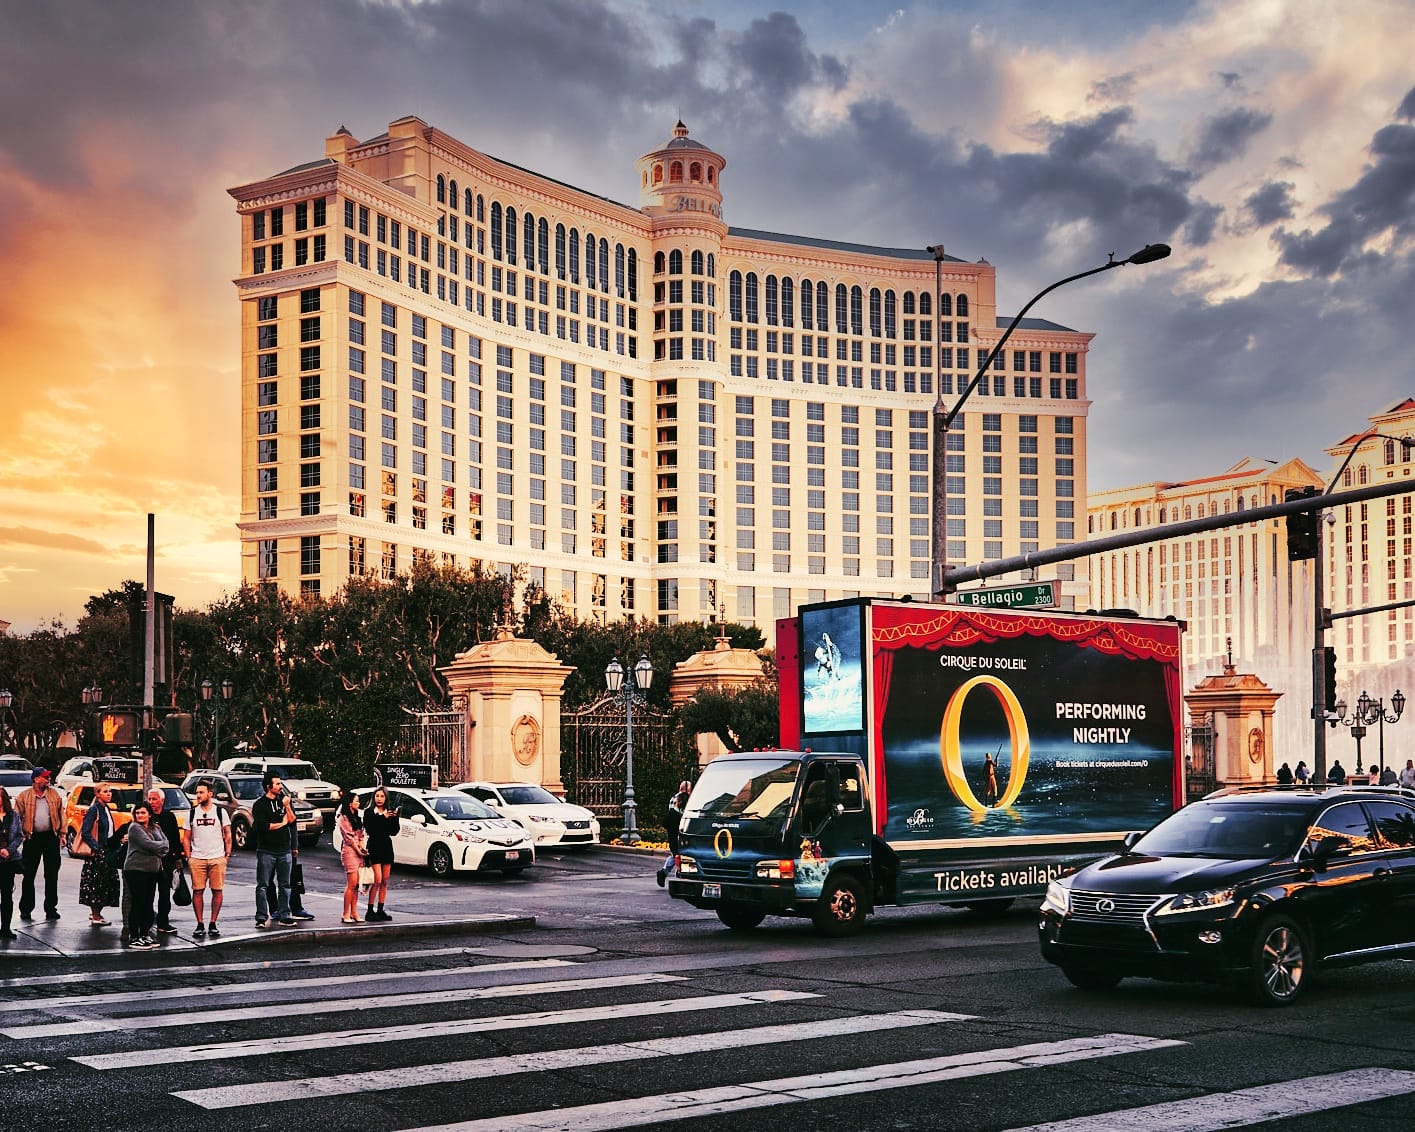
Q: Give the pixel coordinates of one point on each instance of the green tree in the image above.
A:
(743, 719)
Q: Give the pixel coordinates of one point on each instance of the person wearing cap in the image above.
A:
(41, 811)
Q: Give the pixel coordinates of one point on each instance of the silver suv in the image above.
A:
(236, 793)
(299, 775)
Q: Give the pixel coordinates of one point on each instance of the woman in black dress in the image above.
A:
(380, 826)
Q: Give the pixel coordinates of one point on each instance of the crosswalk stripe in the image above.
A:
(338, 1039)
(206, 1015)
(1247, 1106)
(484, 1068)
(126, 998)
(628, 1113)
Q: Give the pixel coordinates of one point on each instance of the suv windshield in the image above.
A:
(755, 789)
(461, 809)
(1232, 832)
(528, 796)
(294, 770)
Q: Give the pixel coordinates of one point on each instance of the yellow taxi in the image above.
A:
(125, 797)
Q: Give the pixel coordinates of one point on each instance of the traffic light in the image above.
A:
(1301, 527)
(117, 727)
(1329, 677)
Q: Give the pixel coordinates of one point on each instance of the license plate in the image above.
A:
(712, 891)
(513, 854)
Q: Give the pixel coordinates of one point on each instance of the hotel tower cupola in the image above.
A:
(682, 176)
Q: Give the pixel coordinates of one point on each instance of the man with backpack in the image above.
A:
(207, 842)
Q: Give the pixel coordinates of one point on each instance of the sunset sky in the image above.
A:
(1272, 142)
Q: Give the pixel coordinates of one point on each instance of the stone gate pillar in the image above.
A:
(719, 669)
(509, 689)
(1241, 707)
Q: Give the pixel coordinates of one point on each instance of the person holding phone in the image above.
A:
(271, 818)
(381, 827)
(142, 865)
(353, 854)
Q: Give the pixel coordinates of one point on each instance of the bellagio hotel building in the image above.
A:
(640, 410)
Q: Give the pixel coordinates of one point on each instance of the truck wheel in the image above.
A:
(997, 907)
(240, 833)
(1279, 964)
(439, 860)
(1091, 978)
(740, 917)
(841, 909)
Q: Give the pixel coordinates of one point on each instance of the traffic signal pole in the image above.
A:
(1319, 656)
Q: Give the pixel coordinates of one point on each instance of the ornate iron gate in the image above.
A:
(440, 738)
(595, 752)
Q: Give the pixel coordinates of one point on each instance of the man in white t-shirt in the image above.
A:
(207, 842)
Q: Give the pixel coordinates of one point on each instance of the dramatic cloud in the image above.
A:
(1271, 203)
(1226, 136)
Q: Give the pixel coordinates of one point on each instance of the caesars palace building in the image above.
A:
(641, 410)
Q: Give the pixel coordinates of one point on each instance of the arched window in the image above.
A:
(481, 209)
(925, 303)
(1253, 502)
(1114, 520)
(658, 174)
(511, 231)
(751, 296)
(1163, 520)
(528, 245)
(441, 190)
(619, 269)
(695, 262)
(961, 306)
(773, 306)
(908, 302)
(890, 324)
(842, 309)
(603, 264)
(1346, 477)
(788, 301)
(1201, 510)
(675, 173)
(468, 203)
(695, 171)
(1363, 475)
(560, 251)
(452, 193)
(589, 259)
(808, 303)
(1188, 512)
(945, 306)
(1137, 517)
(876, 312)
(572, 243)
(857, 310)
(1226, 506)
(543, 245)
(734, 296)
(633, 275)
(1240, 503)
(660, 263)
(710, 174)
(712, 266)
(1390, 451)
(495, 230)
(675, 262)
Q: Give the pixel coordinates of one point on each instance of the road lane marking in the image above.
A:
(336, 1039)
(696, 1103)
(1247, 1106)
(485, 1068)
(242, 1013)
(128, 998)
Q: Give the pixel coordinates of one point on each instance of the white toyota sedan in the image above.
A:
(447, 832)
(548, 820)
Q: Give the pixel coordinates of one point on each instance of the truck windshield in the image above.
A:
(754, 789)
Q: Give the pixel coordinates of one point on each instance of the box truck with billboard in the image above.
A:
(937, 753)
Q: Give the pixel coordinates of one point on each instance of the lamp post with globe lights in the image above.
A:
(208, 690)
(629, 683)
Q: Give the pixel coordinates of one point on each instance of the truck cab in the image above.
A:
(779, 832)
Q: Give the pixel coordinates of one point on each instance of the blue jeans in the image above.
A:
(268, 865)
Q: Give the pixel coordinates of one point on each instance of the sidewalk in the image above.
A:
(73, 937)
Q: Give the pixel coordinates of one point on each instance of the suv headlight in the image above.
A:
(687, 866)
(1058, 897)
(1197, 901)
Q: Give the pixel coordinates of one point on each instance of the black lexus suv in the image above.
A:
(1259, 888)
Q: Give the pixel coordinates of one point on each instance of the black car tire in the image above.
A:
(1091, 978)
(240, 833)
(841, 908)
(740, 917)
(989, 908)
(1280, 962)
(439, 860)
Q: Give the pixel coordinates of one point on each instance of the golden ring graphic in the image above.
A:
(717, 842)
(953, 756)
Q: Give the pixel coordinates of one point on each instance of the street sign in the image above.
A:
(1031, 596)
(416, 776)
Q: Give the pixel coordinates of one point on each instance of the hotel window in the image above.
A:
(267, 560)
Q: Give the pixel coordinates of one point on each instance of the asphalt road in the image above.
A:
(624, 1009)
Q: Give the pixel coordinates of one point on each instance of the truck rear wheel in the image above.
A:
(740, 917)
(995, 907)
(841, 909)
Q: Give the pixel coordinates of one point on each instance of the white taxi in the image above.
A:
(448, 832)
(548, 820)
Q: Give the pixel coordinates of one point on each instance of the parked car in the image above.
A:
(299, 775)
(124, 798)
(15, 762)
(545, 817)
(1262, 888)
(237, 792)
(75, 772)
(14, 781)
(450, 832)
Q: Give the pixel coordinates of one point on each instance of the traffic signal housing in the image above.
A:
(1329, 677)
(117, 727)
(1301, 527)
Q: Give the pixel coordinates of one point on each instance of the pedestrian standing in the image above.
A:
(1388, 776)
(207, 843)
(41, 811)
(1284, 775)
(297, 872)
(1407, 776)
(142, 867)
(12, 840)
(98, 883)
(1302, 774)
(271, 817)
(353, 853)
(166, 820)
(672, 825)
(1336, 774)
(381, 826)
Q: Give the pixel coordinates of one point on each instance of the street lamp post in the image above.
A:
(629, 683)
(1371, 712)
(207, 688)
(1357, 724)
(944, 417)
(7, 718)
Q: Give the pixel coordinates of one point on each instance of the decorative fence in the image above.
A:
(594, 748)
(440, 738)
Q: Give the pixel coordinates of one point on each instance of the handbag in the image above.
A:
(365, 876)
(182, 891)
(80, 847)
(297, 878)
